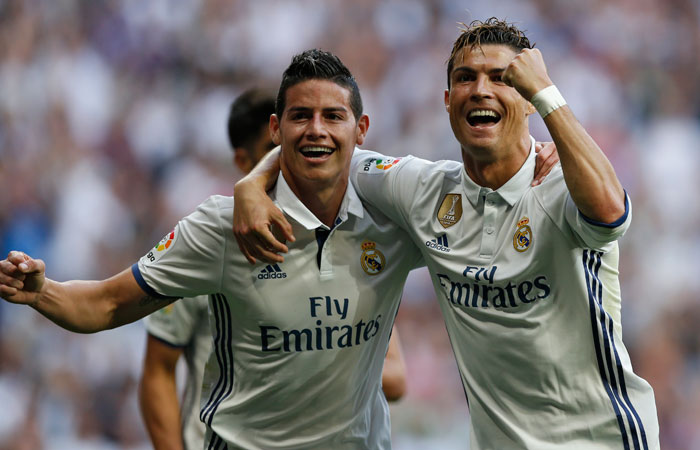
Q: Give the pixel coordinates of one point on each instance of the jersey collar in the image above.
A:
(285, 199)
(512, 190)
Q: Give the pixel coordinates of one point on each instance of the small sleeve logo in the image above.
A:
(376, 165)
(166, 242)
(161, 247)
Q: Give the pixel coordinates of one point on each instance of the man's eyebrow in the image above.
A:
(328, 109)
(469, 70)
(335, 109)
(298, 108)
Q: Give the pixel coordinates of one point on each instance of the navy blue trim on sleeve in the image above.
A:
(614, 224)
(142, 283)
(169, 344)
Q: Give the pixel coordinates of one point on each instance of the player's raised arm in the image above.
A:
(80, 306)
(255, 213)
(591, 179)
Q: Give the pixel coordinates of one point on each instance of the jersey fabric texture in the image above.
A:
(185, 324)
(530, 295)
(299, 346)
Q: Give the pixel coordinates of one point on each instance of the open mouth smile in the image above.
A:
(480, 118)
(316, 152)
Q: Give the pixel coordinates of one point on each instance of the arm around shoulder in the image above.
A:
(254, 213)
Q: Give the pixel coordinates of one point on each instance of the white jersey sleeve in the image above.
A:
(558, 204)
(188, 261)
(391, 183)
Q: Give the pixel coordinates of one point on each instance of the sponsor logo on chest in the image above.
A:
(439, 243)
(272, 271)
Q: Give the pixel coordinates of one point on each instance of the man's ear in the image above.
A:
(362, 127)
(447, 100)
(275, 129)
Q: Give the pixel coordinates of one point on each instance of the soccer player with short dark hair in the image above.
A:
(526, 275)
(298, 346)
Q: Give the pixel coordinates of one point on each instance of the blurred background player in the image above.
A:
(182, 328)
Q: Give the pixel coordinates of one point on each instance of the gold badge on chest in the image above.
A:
(371, 260)
(450, 210)
(522, 239)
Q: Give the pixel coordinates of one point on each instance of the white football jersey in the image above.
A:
(299, 346)
(531, 299)
(185, 324)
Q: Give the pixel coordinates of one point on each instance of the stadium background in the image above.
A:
(112, 126)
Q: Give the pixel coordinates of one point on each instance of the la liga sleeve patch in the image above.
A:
(380, 165)
(161, 247)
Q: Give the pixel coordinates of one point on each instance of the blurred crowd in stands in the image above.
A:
(112, 127)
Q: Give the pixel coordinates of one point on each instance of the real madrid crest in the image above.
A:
(450, 210)
(371, 260)
(522, 239)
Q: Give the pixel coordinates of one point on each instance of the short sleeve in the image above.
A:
(188, 261)
(387, 183)
(558, 204)
(597, 234)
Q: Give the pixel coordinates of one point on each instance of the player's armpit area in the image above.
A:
(149, 301)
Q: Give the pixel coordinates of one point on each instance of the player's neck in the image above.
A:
(322, 199)
(493, 169)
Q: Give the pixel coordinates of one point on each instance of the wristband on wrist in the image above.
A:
(547, 100)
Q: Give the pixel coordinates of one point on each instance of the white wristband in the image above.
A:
(547, 100)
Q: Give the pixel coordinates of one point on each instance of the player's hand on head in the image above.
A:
(21, 278)
(527, 73)
(254, 219)
(547, 157)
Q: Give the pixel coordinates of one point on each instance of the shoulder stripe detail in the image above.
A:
(142, 283)
(614, 224)
(224, 356)
(609, 364)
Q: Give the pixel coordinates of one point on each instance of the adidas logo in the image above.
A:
(271, 271)
(439, 243)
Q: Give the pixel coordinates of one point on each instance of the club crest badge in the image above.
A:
(450, 210)
(522, 239)
(371, 260)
